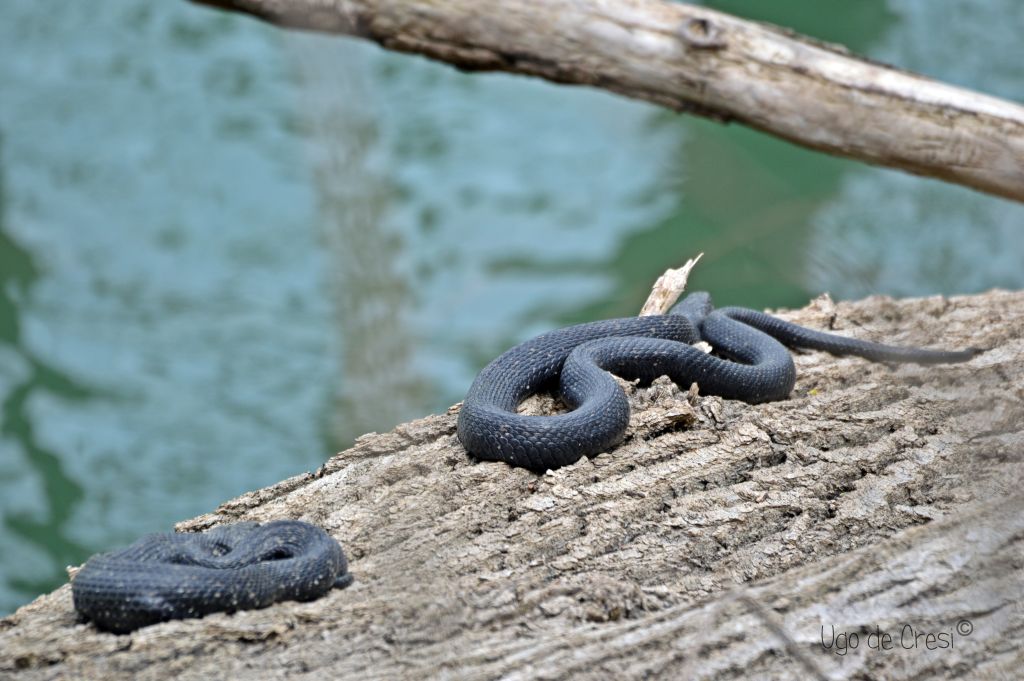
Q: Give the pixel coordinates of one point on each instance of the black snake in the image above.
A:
(751, 363)
(241, 566)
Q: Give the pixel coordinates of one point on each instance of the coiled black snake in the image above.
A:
(232, 567)
(753, 365)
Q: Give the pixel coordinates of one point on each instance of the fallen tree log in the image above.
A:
(694, 59)
(722, 540)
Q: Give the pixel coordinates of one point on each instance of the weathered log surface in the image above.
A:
(715, 543)
(694, 59)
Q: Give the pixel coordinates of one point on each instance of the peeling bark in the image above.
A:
(717, 542)
(694, 59)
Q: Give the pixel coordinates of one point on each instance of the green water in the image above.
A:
(226, 250)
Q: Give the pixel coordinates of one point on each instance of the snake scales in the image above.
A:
(751, 363)
(240, 566)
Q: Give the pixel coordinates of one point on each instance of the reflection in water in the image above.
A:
(380, 386)
(450, 217)
(44, 528)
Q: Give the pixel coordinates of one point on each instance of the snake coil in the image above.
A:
(233, 567)
(751, 363)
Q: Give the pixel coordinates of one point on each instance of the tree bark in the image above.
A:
(720, 541)
(694, 59)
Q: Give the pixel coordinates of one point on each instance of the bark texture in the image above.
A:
(705, 62)
(722, 540)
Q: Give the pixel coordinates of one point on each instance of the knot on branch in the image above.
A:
(702, 34)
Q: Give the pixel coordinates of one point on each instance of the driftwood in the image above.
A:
(694, 59)
(722, 540)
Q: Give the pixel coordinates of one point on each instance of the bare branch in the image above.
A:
(693, 59)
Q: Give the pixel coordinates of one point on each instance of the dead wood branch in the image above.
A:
(694, 59)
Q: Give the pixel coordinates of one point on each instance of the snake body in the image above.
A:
(751, 363)
(232, 567)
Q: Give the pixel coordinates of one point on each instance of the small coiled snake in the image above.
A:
(752, 364)
(240, 566)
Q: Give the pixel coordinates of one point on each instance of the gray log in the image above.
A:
(717, 542)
